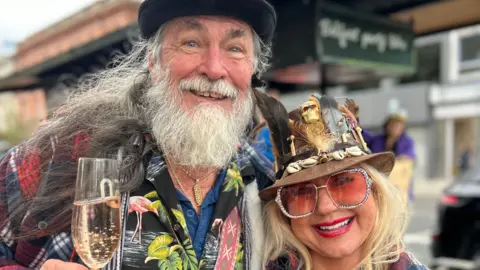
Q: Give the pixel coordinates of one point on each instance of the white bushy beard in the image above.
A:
(205, 136)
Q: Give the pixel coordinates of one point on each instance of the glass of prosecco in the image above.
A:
(96, 225)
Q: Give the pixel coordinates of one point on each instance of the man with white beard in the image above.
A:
(174, 112)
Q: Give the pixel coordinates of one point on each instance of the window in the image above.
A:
(428, 64)
(470, 54)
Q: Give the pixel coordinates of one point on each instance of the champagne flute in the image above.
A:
(96, 224)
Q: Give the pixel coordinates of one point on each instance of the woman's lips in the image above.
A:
(330, 223)
(334, 228)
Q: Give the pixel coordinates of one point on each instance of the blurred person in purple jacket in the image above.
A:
(394, 138)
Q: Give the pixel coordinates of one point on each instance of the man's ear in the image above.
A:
(151, 65)
(151, 62)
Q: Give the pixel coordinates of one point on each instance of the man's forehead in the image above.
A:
(397, 121)
(203, 23)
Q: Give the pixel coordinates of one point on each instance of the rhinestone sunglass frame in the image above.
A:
(366, 177)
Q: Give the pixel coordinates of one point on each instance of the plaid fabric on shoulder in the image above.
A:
(247, 154)
(27, 168)
(20, 176)
(408, 262)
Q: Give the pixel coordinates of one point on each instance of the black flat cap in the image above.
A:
(259, 14)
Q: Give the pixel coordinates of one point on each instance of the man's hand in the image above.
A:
(60, 265)
(352, 106)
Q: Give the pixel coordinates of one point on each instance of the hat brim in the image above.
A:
(383, 162)
(397, 118)
(259, 14)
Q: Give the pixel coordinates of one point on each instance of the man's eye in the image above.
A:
(236, 49)
(191, 44)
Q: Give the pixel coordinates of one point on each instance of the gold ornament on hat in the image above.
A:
(319, 131)
(329, 128)
(310, 112)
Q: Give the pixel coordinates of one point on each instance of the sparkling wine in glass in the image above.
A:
(96, 225)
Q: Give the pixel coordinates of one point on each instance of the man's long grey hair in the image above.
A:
(109, 110)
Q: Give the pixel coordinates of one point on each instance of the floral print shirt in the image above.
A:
(198, 224)
(157, 230)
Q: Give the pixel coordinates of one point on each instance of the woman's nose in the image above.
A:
(325, 205)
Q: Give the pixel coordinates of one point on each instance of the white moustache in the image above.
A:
(203, 84)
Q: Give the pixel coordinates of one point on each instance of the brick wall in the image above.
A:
(25, 106)
(8, 107)
(87, 25)
(32, 105)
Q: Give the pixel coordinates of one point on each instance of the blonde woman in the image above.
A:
(332, 207)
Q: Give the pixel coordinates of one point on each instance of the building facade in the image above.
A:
(455, 99)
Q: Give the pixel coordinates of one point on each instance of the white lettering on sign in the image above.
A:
(396, 42)
(377, 40)
(336, 29)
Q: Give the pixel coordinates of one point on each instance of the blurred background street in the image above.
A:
(420, 230)
(423, 220)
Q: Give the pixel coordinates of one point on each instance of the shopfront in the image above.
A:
(324, 44)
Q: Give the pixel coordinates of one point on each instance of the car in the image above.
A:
(456, 240)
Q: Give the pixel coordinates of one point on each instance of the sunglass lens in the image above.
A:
(299, 199)
(347, 188)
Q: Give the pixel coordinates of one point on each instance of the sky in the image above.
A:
(21, 18)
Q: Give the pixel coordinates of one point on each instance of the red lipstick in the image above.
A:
(334, 228)
(330, 223)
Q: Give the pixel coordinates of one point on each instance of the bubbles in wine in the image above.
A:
(96, 230)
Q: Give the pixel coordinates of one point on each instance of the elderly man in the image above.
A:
(174, 112)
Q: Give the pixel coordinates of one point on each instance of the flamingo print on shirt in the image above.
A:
(140, 205)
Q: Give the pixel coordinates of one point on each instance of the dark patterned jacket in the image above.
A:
(406, 262)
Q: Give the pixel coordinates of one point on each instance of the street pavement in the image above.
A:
(422, 223)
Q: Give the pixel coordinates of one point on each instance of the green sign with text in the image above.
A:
(347, 37)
